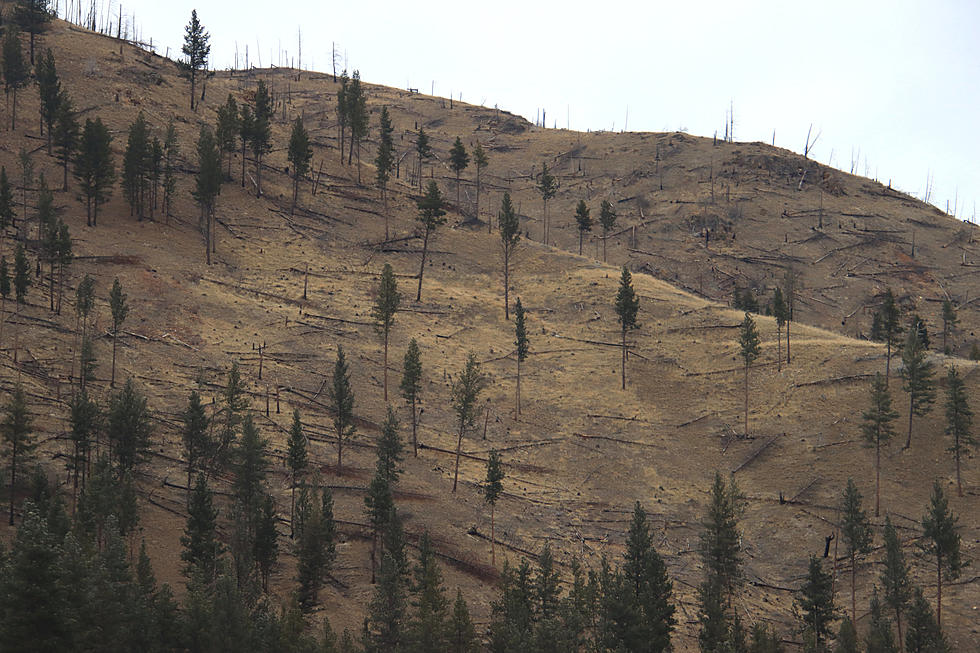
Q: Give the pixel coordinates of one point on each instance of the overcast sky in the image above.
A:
(896, 82)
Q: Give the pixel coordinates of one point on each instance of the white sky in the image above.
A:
(897, 81)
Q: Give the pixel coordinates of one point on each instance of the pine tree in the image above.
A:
(917, 379)
(207, 186)
(259, 130)
(815, 605)
(411, 386)
(389, 449)
(343, 110)
(265, 548)
(4, 292)
(226, 129)
(296, 462)
(959, 419)
(251, 464)
(583, 221)
(385, 624)
(765, 640)
(510, 236)
(120, 310)
(465, 391)
(64, 257)
(341, 398)
(627, 306)
(480, 161)
(171, 150)
(548, 186)
(299, 155)
(748, 341)
(779, 312)
(607, 219)
(196, 48)
(462, 634)
(234, 404)
(941, 540)
(949, 322)
(16, 74)
(424, 152)
(379, 503)
(128, 427)
(521, 345)
(547, 624)
(895, 582)
(202, 548)
(94, 168)
(492, 487)
(880, 638)
(925, 634)
(512, 620)
(431, 215)
(65, 134)
(7, 213)
(720, 540)
(386, 303)
(317, 549)
(195, 436)
(891, 328)
(877, 427)
(49, 92)
(847, 637)
(458, 161)
(155, 165)
(428, 628)
(33, 16)
(358, 117)
(385, 160)
(85, 420)
(17, 434)
(136, 165)
(855, 530)
(246, 122)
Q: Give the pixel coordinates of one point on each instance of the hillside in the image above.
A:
(582, 451)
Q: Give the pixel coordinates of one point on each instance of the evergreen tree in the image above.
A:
(847, 637)
(627, 306)
(510, 236)
(720, 540)
(251, 464)
(748, 341)
(959, 419)
(156, 171)
(7, 213)
(94, 168)
(880, 638)
(424, 152)
(299, 155)
(547, 633)
(385, 624)
(85, 420)
(815, 605)
(195, 436)
(386, 303)
(512, 621)
(384, 162)
(877, 427)
(389, 449)
(120, 310)
(357, 116)
(855, 530)
(919, 325)
(480, 162)
(4, 292)
(458, 161)
(341, 398)
(196, 48)
(33, 17)
(128, 427)
(171, 150)
(245, 123)
(202, 548)
(765, 640)
(895, 582)
(521, 345)
(917, 379)
(465, 391)
(492, 487)
(411, 386)
(548, 186)
(65, 134)
(583, 220)
(779, 312)
(265, 548)
(296, 462)
(259, 130)
(431, 215)
(16, 74)
(207, 187)
(941, 540)
(925, 634)
(891, 328)
(64, 257)
(607, 220)
(343, 114)
(136, 165)
(462, 634)
(949, 322)
(379, 503)
(18, 436)
(428, 628)
(234, 404)
(317, 549)
(227, 128)
(49, 92)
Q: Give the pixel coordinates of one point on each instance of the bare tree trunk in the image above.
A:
(779, 348)
(507, 282)
(787, 350)
(425, 250)
(877, 476)
(746, 400)
(459, 449)
(493, 537)
(518, 385)
(415, 422)
(115, 334)
(908, 440)
(386, 366)
(939, 589)
(13, 481)
(624, 359)
(853, 582)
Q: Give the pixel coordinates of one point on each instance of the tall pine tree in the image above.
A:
(877, 427)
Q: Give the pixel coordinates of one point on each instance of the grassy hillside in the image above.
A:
(582, 451)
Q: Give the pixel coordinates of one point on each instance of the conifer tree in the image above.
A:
(251, 464)
(512, 621)
(547, 627)
(156, 171)
(317, 548)
(411, 386)
(65, 134)
(33, 16)
(7, 213)
(195, 436)
(583, 221)
(895, 582)
(171, 150)
(234, 403)
(627, 306)
(890, 328)
(386, 303)
(207, 187)
(607, 220)
(855, 530)
(358, 117)
(196, 48)
(299, 155)
(492, 487)
(765, 640)
(17, 434)
(385, 160)
(16, 73)
(265, 546)
(847, 637)
(424, 152)
(296, 462)
(779, 312)
(521, 344)
(462, 634)
(202, 548)
(458, 161)
(917, 379)
(428, 628)
(880, 638)
(380, 498)
(22, 281)
(341, 398)
(64, 257)
(748, 341)
(259, 131)
(431, 215)
(85, 420)
(959, 419)
(720, 546)
(4, 292)
(226, 129)
(245, 123)
(925, 634)
(136, 165)
(128, 427)
(94, 168)
(120, 310)
(343, 110)
(480, 161)
(49, 92)
(877, 427)
(548, 186)
(510, 237)
(949, 322)
(815, 605)
(465, 392)
(385, 624)
(941, 540)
